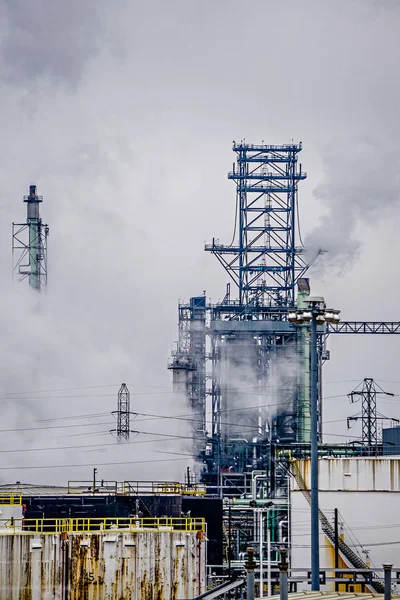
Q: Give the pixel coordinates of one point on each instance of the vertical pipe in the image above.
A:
(283, 576)
(250, 566)
(199, 551)
(229, 540)
(269, 556)
(336, 546)
(314, 457)
(66, 569)
(34, 233)
(387, 570)
(261, 554)
(94, 480)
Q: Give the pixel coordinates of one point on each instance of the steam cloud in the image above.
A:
(359, 186)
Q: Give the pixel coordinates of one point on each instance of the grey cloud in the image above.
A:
(52, 38)
(132, 157)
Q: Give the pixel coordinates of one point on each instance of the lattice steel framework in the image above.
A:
(29, 244)
(123, 414)
(188, 363)
(369, 415)
(264, 262)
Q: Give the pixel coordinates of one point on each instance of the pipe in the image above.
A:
(314, 456)
(269, 556)
(387, 570)
(246, 502)
(199, 547)
(250, 566)
(261, 554)
(283, 576)
(280, 529)
(254, 484)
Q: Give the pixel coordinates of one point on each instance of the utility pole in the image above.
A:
(316, 314)
(314, 454)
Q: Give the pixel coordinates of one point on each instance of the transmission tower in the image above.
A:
(29, 244)
(123, 414)
(369, 415)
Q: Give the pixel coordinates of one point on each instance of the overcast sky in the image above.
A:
(123, 114)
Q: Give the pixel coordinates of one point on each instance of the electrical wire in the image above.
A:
(235, 224)
(76, 466)
(298, 220)
(172, 437)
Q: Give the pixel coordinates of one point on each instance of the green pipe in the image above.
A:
(33, 253)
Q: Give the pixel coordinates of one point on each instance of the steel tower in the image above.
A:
(251, 338)
(123, 414)
(29, 244)
(264, 262)
(369, 416)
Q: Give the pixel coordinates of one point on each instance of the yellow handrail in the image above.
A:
(11, 499)
(91, 525)
(137, 487)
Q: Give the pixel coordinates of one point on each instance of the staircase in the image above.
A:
(354, 560)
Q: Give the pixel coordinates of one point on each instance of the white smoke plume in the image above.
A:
(252, 388)
(361, 184)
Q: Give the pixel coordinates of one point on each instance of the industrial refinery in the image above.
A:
(251, 368)
(199, 218)
(266, 494)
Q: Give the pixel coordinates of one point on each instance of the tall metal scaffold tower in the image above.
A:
(29, 244)
(264, 262)
(123, 414)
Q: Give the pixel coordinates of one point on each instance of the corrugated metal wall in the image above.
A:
(358, 474)
(143, 565)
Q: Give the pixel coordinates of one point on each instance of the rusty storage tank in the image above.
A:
(162, 559)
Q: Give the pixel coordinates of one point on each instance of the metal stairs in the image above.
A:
(354, 560)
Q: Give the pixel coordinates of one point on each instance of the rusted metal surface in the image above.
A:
(143, 565)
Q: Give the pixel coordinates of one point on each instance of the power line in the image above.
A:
(53, 427)
(81, 446)
(188, 416)
(97, 464)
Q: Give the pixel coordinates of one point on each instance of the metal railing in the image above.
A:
(91, 525)
(137, 488)
(11, 499)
